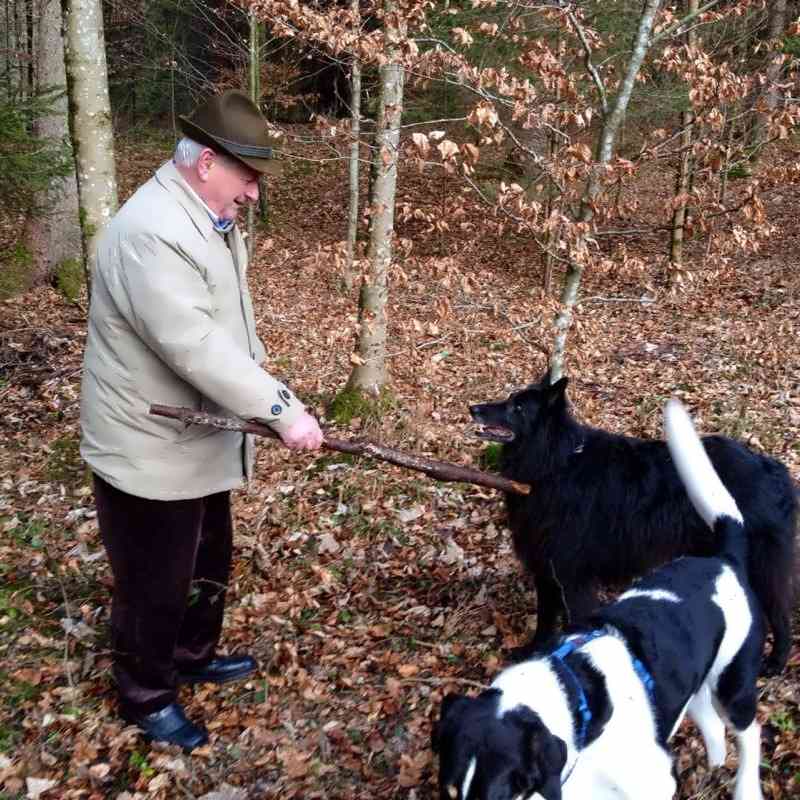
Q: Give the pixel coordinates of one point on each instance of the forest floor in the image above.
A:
(367, 592)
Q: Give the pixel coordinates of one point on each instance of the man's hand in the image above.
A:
(305, 434)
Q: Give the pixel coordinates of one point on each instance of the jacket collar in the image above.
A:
(199, 213)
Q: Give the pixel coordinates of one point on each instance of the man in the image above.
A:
(171, 321)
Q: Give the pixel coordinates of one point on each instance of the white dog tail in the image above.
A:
(706, 491)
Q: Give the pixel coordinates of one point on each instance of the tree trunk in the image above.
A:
(604, 154)
(90, 121)
(684, 177)
(768, 99)
(355, 152)
(369, 374)
(53, 235)
(254, 81)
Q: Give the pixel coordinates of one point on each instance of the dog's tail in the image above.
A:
(706, 491)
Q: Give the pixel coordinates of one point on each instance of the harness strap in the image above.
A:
(560, 655)
(575, 643)
(570, 646)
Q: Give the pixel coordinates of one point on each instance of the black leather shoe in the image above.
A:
(220, 670)
(170, 724)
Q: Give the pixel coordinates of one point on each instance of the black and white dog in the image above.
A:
(591, 719)
(605, 509)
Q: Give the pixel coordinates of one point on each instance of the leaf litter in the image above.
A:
(366, 592)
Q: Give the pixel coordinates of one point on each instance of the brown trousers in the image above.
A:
(171, 562)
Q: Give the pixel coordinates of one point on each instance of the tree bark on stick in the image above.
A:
(440, 470)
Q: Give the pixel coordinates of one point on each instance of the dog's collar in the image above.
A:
(567, 648)
(584, 712)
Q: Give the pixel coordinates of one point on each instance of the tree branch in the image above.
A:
(678, 24)
(590, 67)
(441, 470)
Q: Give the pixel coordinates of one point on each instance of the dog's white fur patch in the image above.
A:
(517, 684)
(651, 594)
(704, 487)
(732, 600)
(625, 761)
(470, 774)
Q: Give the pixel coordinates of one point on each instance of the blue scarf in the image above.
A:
(222, 225)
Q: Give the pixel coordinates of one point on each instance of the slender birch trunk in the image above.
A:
(254, 81)
(369, 374)
(53, 232)
(683, 180)
(727, 134)
(355, 152)
(604, 154)
(90, 121)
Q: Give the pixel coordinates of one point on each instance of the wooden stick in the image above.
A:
(441, 470)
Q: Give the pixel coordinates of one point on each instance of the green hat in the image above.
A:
(232, 122)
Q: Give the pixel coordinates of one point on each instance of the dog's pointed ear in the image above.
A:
(556, 392)
(448, 701)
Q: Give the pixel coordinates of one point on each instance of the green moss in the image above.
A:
(15, 270)
(489, 457)
(69, 279)
(352, 403)
(791, 45)
(738, 172)
(64, 463)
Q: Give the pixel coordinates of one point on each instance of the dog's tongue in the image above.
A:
(494, 434)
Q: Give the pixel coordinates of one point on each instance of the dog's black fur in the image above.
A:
(606, 508)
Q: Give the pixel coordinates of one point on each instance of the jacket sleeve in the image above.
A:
(166, 300)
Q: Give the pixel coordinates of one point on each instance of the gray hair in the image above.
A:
(188, 152)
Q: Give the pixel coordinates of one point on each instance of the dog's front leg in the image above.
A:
(550, 606)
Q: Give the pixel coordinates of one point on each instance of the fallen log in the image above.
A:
(441, 470)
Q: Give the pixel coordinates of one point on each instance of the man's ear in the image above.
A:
(204, 164)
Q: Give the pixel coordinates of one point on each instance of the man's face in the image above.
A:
(228, 186)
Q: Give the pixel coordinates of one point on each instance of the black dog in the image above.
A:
(591, 719)
(604, 509)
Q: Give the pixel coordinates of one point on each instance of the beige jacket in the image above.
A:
(171, 321)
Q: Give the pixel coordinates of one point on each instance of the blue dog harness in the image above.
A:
(576, 643)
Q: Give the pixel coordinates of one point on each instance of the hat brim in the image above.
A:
(264, 166)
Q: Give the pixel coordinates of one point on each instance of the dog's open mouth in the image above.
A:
(494, 433)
